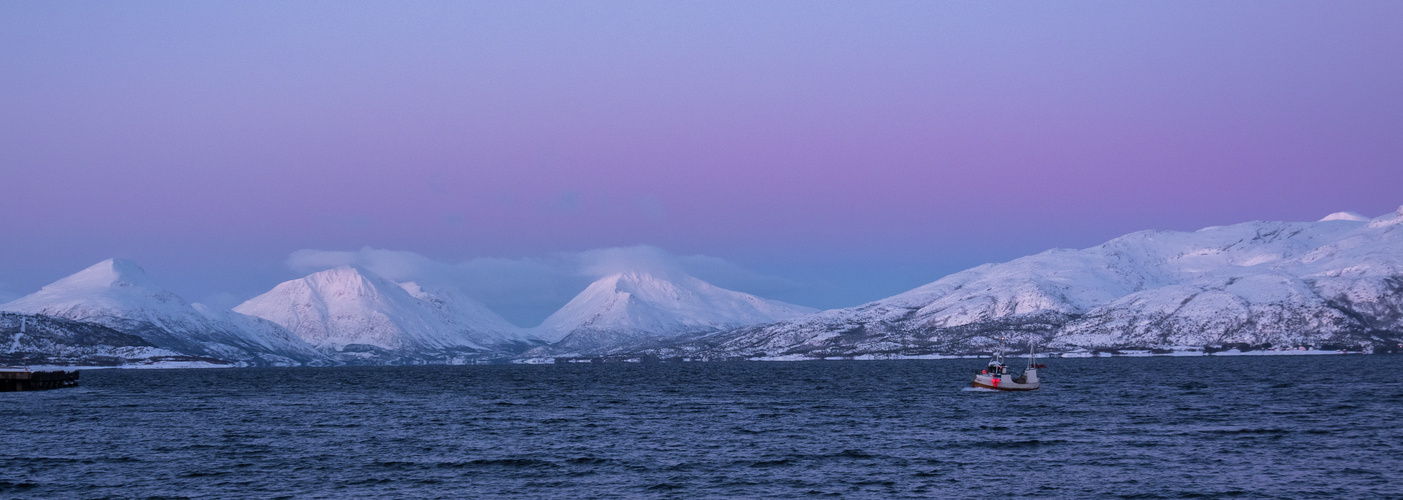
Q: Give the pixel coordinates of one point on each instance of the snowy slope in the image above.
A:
(116, 293)
(1339, 279)
(464, 314)
(634, 306)
(1335, 280)
(28, 339)
(356, 314)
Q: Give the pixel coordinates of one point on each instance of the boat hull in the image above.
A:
(1006, 382)
(1005, 386)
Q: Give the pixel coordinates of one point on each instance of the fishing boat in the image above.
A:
(997, 377)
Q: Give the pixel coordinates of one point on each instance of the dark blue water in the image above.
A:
(1282, 427)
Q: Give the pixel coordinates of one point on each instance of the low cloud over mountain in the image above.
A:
(527, 290)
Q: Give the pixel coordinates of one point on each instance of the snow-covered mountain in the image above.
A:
(117, 294)
(357, 316)
(464, 314)
(31, 339)
(625, 309)
(1337, 280)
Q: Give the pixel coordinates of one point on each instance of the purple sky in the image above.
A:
(855, 150)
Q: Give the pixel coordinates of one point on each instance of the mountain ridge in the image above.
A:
(631, 307)
(117, 293)
(357, 316)
(1337, 280)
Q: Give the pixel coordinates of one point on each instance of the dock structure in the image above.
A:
(24, 380)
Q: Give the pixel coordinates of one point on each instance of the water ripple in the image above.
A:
(1180, 428)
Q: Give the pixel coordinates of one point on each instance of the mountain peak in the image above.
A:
(348, 305)
(108, 273)
(1349, 216)
(116, 293)
(633, 305)
(630, 279)
(110, 287)
(348, 281)
(342, 273)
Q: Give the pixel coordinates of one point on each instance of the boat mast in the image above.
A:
(1003, 341)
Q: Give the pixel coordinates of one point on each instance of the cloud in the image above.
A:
(727, 274)
(526, 290)
(393, 264)
(642, 258)
(720, 272)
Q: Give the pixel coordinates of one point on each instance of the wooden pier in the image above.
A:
(24, 380)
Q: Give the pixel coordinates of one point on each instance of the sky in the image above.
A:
(821, 153)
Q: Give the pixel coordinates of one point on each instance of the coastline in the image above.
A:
(1177, 351)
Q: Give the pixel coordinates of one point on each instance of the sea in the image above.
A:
(1201, 427)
